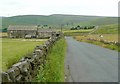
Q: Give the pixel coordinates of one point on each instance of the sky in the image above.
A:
(48, 7)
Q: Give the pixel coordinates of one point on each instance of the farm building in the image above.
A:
(21, 31)
(45, 32)
(28, 32)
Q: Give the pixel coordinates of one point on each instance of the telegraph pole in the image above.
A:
(61, 27)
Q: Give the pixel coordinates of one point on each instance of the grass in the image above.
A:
(0, 54)
(108, 37)
(110, 46)
(107, 29)
(14, 49)
(82, 30)
(53, 70)
(3, 34)
(76, 32)
(109, 33)
(103, 29)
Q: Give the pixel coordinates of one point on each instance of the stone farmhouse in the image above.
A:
(45, 32)
(29, 32)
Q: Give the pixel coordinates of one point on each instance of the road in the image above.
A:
(86, 62)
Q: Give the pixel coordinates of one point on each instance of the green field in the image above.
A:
(0, 54)
(14, 49)
(82, 30)
(107, 29)
(76, 32)
(108, 37)
(53, 71)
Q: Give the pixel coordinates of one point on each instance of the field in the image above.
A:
(14, 49)
(107, 29)
(76, 32)
(3, 34)
(0, 54)
(54, 68)
(107, 37)
(82, 30)
(109, 33)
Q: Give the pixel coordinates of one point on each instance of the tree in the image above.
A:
(4, 30)
(78, 26)
(49, 27)
(72, 28)
(85, 27)
(45, 25)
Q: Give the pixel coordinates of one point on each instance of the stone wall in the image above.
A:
(105, 41)
(28, 66)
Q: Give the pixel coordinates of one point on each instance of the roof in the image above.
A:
(17, 27)
(46, 30)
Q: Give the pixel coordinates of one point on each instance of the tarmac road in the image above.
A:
(90, 63)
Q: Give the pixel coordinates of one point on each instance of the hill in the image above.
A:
(105, 21)
(57, 20)
(107, 29)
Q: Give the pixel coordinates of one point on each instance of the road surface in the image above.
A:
(90, 63)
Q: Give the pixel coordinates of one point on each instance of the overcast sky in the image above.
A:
(48, 7)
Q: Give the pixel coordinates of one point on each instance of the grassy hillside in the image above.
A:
(105, 21)
(107, 29)
(56, 20)
(100, 21)
(49, 20)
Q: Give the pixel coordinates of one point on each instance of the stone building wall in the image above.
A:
(21, 33)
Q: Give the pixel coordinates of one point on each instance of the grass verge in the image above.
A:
(110, 46)
(53, 70)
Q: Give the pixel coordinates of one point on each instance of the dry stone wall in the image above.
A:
(105, 41)
(28, 66)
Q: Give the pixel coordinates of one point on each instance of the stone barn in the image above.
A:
(22, 31)
(45, 33)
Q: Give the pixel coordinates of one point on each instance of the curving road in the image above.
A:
(90, 63)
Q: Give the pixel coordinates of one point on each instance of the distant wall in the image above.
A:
(28, 66)
(105, 41)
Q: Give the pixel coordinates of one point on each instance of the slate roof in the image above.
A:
(20, 27)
